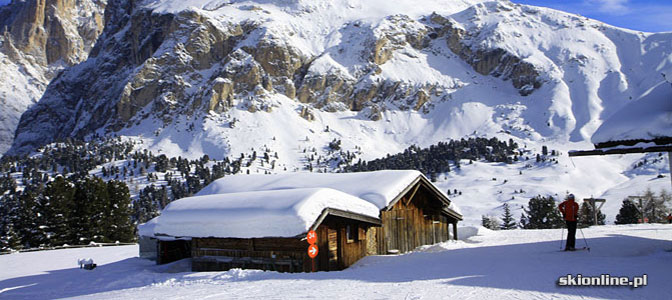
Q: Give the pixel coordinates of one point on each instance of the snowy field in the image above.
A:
(518, 264)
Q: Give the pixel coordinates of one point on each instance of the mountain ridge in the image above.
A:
(353, 74)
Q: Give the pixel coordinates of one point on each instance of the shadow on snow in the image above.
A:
(533, 267)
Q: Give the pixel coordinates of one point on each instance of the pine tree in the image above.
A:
(117, 224)
(523, 220)
(508, 222)
(654, 207)
(490, 222)
(28, 216)
(9, 238)
(628, 214)
(542, 213)
(587, 216)
(145, 207)
(90, 199)
(60, 197)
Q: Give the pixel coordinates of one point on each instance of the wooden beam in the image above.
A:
(344, 214)
(451, 213)
(665, 140)
(669, 158)
(666, 148)
(354, 216)
(415, 190)
(433, 189)
(401, 195)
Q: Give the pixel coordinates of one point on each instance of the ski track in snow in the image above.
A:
(517, 264)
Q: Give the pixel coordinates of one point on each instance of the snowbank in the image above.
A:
(275, 213)
(379, 187)
(467, 232)
(648, 118)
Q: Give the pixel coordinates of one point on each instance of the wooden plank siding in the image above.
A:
(414, 220)
(278, 254)
(284, 254)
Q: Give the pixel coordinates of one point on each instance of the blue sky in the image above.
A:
(645, 15)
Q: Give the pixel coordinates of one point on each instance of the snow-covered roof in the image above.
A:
(648, 118)
(273, 213)
(378, 187)
(147, 228)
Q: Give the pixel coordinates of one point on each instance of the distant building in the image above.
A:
(260, 221)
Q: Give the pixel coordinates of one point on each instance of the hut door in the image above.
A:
(332, 236)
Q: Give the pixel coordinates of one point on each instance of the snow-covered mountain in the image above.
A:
(39, 39)
(221, 77)
(201, 75)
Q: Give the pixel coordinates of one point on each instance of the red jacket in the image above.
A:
(569, 210)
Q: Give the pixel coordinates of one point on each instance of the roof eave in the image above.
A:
(345, 214)
(422, 179)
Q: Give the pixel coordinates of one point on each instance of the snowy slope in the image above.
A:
(518, 264)
(16, 95)
(646, 119)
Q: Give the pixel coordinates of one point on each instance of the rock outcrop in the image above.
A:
(487, 61)
(38, 39)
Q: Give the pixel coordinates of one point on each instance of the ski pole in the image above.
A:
(562, 237)
(584, 238)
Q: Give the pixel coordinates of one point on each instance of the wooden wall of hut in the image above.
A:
(276, 254)
(415, 220)
(338, 248)
(336, 251)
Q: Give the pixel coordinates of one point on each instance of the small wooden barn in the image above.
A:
(260, 221)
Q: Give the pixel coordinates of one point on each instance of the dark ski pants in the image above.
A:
(571, 234)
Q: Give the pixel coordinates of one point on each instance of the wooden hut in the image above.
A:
(244, 221)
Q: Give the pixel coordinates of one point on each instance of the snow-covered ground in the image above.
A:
(518, 264)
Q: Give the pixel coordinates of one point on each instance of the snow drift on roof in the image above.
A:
(648, 118)
(379, 187)
(277, 213)
(147, 228)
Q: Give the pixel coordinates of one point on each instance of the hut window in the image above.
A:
(351, 233)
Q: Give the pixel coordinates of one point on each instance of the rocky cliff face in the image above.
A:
(165, 64)
(493, 61)
(38, 38)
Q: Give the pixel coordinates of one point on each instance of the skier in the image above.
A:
(669, 218)
(570, 210)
